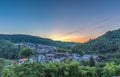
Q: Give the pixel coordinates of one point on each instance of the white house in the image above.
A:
(41, 58)
(76, 57)
(33, 59)
(86, 57)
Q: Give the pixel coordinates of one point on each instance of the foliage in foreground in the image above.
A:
(2, 62)
(70, 69)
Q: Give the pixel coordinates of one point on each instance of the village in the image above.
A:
(45, 53)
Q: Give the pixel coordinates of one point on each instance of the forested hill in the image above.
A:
(34, 39)
(109, 42)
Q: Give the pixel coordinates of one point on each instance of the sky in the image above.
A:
(63, 20)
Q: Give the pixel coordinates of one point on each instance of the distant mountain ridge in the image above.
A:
(16, 38)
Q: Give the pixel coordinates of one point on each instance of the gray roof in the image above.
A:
(50, 54)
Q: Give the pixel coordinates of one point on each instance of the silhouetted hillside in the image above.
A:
(34, 39)
(109, 42)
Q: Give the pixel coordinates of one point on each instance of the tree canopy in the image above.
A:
(8, 50)
(26, 53)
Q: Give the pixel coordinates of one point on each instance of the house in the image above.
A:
(59, 54)
(36, 47)
(86, 57)
(50, 56)
(76, 57)
(33, 59)
(41, 58)
(20, 61)
(59, 59)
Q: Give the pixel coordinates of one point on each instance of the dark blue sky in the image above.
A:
(66, 20)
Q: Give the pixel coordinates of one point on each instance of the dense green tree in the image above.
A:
(77, 49)
(64, 50)
(109, 70)
(85, 62)
(2, 62)
(8, 72)
(91, 61)
(8, 50)
(71, 69)
(26, 53)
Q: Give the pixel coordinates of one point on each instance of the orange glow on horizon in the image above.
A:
(77, 40)
(70, 39)
(73, 40)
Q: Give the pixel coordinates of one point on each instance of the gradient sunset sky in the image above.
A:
(64, 20)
